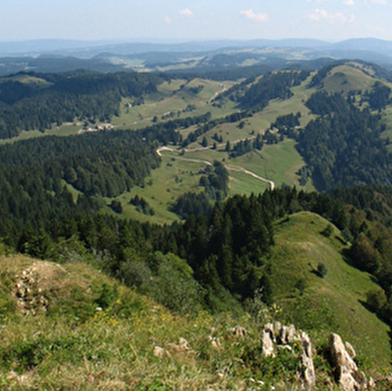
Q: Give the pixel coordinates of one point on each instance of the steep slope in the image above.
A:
(332, 302)
(70, 327)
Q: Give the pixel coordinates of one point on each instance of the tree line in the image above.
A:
(39, 177)
(79, 95)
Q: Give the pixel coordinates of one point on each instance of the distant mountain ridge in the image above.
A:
(91, 48)
(112, 56)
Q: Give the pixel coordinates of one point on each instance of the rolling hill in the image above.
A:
(69, 325)
(188, 98)
(233, 164)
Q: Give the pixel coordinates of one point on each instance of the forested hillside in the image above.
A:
(343, 147)
(84, 96)
(36, 176)
(66, 199)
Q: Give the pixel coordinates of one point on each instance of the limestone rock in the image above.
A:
(182, 347)
(371, 384)
(287, 334)
(183, 344)
(268, 341)
(269, 327)
(308, 373)
(28, 293)
(347, 374)
(291, 332)
(31, 285)
(350, 350)
(278, 329)
(238, 331)
(159, 352)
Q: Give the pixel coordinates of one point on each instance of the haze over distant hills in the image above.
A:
(112, 56)
(91, 48)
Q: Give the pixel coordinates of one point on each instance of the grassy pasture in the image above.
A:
(261, 121)
(332, 302)
(180, 174)
(345, 78)
(278, 162)
(62, 131)
(32, 81)
(173, 178)
(174, 97)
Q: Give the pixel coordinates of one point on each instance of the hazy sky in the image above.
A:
(331, 20)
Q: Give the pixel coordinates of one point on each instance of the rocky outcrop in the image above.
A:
(268, 338)
(287, 334)
(33, 284)
(29, 294)
(307, 371)
(278, 335)
(346, 371)
(350, 350)
(215, 342)
(278, 339)
(284, 334)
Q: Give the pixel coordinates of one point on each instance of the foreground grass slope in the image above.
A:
(91, 333)
(69, 326)
(333, 302)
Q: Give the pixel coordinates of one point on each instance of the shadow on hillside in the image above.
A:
(317, 273)
(348, 258)
(381, 316)
(343, 242)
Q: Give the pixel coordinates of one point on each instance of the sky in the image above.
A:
(185, 20)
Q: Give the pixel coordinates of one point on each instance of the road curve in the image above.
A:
(240, 169)
(228, 167)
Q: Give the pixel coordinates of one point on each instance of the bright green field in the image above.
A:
(282, 162)
(63, 131)
(262, 121)
(279, 163)
(176, 177)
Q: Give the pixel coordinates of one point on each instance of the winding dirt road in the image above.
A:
(228, 167)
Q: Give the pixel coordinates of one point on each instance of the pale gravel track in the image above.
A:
(228, 167)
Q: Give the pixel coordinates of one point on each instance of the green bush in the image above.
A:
(322, 270)
(327, 232)
(376, 300)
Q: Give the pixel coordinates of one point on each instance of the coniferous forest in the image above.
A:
(60, 196)
(226, 244)
(59, 98)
